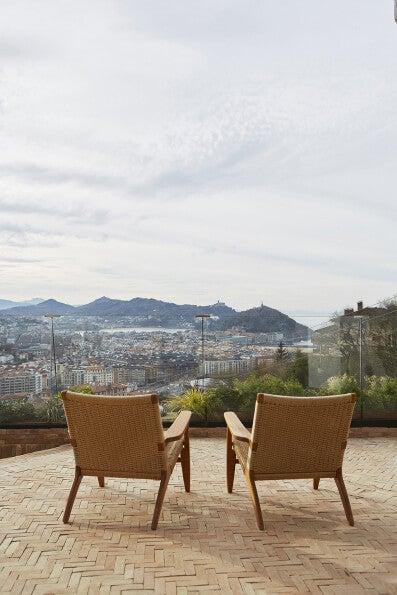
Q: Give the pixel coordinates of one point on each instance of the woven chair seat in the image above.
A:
(241, 449)
(291, 438)
(124, 437)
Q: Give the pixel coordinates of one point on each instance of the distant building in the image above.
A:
(360, 342)
(19, 382)
(117, 390)
(72, 378)
(6, 359)
(98, 374)
(229, 366)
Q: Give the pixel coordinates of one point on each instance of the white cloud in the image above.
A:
(198, 151)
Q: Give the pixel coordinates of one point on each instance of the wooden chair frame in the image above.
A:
(178, 431)
(237, 432)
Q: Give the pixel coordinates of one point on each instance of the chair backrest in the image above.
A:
(299, 435)
(116, 436)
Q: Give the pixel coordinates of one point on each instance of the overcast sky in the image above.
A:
(192, 151)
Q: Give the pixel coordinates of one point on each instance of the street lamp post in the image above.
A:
(52, 352)
(202, 316)
(360, 360)
(360, 332)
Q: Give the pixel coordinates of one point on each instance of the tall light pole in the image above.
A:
(360, 360)
(360, 338)
(52, 352)
(202, 316)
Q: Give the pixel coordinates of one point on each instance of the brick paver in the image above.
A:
(206, 541)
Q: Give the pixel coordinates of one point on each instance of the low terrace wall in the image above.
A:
(19, 441)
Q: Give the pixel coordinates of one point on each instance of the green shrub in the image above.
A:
(267, 383)
(227, 398)
(85, 389)
(17, 410)
(340, 385)
(381, 393)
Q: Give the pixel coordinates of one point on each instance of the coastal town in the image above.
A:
(40, 356)
(168, 349)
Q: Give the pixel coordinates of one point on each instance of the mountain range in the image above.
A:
(153, 312)
(5, 304)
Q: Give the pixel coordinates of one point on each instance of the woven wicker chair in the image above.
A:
(124, 437)
(292, 438)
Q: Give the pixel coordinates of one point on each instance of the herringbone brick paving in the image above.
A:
(206, 541)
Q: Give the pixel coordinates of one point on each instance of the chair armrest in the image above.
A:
(236, 428)
(178, 428)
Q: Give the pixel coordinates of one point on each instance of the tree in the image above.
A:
(282, 360)
(282, 354)
(382, 341)
(299, 368)
(362, 343)
(86, 389)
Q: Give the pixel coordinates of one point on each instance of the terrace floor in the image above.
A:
(206, 541)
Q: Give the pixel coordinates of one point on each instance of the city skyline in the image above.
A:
(192, 153)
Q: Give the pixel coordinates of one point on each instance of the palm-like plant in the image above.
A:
(202, 403)
(53, 409)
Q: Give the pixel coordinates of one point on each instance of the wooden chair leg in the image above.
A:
(185, 461)
(255, 500)
(344, 497)
(316, 481)
(165, 477)
(72, 495)
(230, 462)
(101, 481)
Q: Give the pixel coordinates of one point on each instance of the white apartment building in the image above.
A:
(6, 359)
(98, 375)
(228, 366)
(20, 381)
(90, 375)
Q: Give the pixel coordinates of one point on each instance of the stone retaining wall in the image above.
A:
(354, 432)
(373, 432)
(21, 441)
(15, 442)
